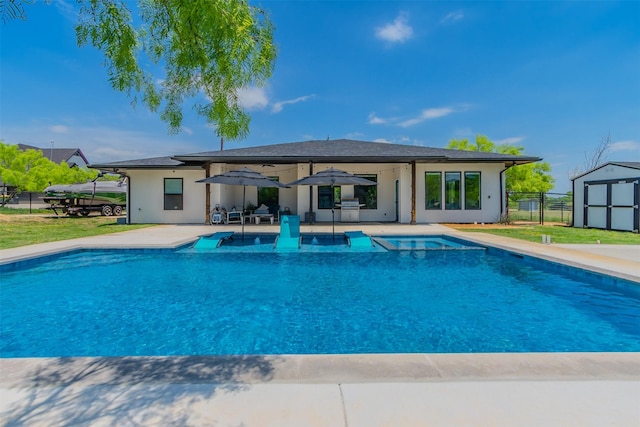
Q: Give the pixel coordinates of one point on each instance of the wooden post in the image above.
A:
(311, 195)
(413, 192)
(207, 197)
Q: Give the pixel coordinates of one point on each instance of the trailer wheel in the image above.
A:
(107, 210)
(84, 212)
(117, 210)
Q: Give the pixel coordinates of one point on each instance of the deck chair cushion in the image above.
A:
(262, 209)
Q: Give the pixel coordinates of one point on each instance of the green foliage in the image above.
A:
(561, 234)
(208, 49)
(531, 177)
(22, 230)
(28, 170)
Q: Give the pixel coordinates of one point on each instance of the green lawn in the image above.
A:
(561, 234)
(18, 229)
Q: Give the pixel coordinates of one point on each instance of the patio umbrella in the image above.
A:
(245, 177)
(332, 177)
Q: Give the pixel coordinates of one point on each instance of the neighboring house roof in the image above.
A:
(56, 155)
(329, 151)
(150, 163)
(631, 165)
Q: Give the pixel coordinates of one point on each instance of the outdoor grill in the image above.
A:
(350, 210)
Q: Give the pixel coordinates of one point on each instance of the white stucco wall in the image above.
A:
(605, 173)
(146, 197)
(147, 188)
(490, 194)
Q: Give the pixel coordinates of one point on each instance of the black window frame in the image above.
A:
(173, 201)
(324, 196)
(457, 190)
(367, 195)
(433, 203)
(467, 205)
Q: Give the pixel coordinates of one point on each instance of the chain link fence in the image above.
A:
(539, 208)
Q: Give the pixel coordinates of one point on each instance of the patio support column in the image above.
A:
(413, 192)
(207, 196)
(310, 195)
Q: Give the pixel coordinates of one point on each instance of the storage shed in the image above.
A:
(607, 197)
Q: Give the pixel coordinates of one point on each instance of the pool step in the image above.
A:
(357, 239)
(213, 241)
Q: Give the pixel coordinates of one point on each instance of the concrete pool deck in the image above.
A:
(523, 389)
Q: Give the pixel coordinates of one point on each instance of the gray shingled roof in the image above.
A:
(56, 155)
(332, 151)
(632, 165)
(151, 163)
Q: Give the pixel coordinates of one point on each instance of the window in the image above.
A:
(324, 196)
(472, 190)
(269, 196)
(367, 194)
(173, 194)
(452, 190)
(433, 190)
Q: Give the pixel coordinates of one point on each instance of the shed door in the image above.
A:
(612, 204)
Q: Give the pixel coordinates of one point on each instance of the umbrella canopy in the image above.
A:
(332, 177)
(245, 177)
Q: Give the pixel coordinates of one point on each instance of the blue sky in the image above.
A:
(554, 77)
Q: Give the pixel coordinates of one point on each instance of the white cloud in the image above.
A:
(428, 114)
(59, 129)
(625, 146)
(396, 32)
(452, 17)
(278, 106)
(375, 120)
(253, 98)
(510, 140)
(383, 140)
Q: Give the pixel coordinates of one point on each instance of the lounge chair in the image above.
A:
(289, 237)
(357, 239)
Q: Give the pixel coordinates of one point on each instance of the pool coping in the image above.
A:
(170, 236)
(39, 386)
(317, 368)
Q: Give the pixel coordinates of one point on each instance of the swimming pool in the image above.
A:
(180, 302)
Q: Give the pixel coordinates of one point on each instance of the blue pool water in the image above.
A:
(117, 303)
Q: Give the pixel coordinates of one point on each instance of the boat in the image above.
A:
(106, 197)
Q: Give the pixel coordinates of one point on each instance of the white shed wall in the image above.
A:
(604, 173)
(146, 197)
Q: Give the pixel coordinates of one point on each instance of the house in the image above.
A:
(73, 156)
(607, 197)
(415, 184)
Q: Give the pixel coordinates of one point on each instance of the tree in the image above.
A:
(209, 50)
(531, 177)
(29, 170)
(12, 9)
(599, 155)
